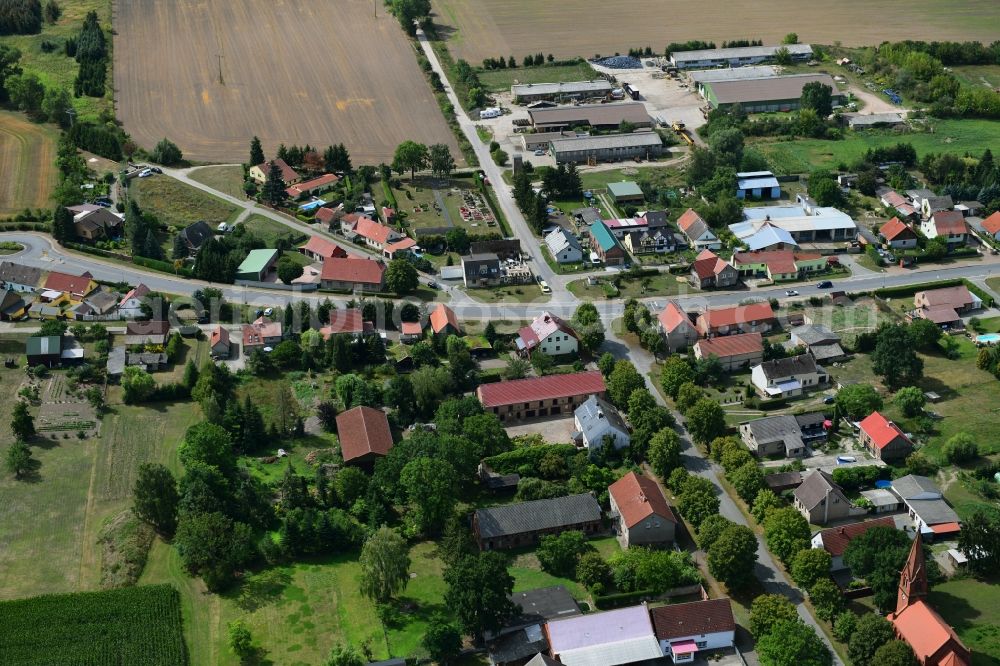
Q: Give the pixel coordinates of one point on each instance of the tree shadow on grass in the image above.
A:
(262, 589)
(32, 472)
(405, 610)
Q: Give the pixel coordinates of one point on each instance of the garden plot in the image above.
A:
(62, 414)
(442, 205)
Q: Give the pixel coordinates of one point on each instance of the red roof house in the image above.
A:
(883, 438)
(694, 627)
(319, 248)
(642, 512)
(410, 331)
(443, 320)
(350, 273)
(992, 224)
(350, 322)
(709, 270)
(289, 176)
(540, 396)
(834, 540)
(898, 234)
(677, 328)
(750, 318)
(733, 351)
(219, 342)
(315, 186)
(77, 286)
(364, 435)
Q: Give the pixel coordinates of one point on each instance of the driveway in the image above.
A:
(553, 430)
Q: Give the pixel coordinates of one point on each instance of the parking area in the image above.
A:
(555, 430)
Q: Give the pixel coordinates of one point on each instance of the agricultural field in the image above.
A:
(226, 179)
(195, 72)
(500, 80)
(136, 625)
(489, 28)
(27, 158)
(948, 136)
(55, 69)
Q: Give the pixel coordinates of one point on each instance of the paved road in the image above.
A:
(766, 570)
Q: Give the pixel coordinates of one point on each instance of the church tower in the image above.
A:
(913, 579)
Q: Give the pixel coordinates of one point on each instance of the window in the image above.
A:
(701, 644)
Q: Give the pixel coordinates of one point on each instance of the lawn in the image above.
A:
(176, 204)
(500, 80)
(947, 136)
(663, 284)
(979, 75)
(55, 69)
(521, 293)
(418, 198)
(226, 179)
(269, 230)
(970, 606)
(661, 176)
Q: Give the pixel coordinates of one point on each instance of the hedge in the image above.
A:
(509, 462)
(162, 266)
(911, 289)
(623, 599)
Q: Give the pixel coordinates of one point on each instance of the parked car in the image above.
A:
(825, 284)
(145, 173)
(268, 312)
(829, 400)
(546, 289)
(539, 153)
(432, 284)
(791, 292)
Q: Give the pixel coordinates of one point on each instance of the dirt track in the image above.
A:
(292, 71)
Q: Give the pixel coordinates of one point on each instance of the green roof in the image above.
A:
(44, 345)
(603, 236)
(626, 188)
(257, 261)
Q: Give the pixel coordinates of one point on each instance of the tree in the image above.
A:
(411, 156)
(826, 598)
(354, 391)
(810, 565)
(873, 631)
(345, 655)
(63, 229)
(980, 540)
(588, 325)
(818, 97)
(385, 565)
(288, 270)
(844, 626)
(592, 570)
(517, 367)
(711, 529)
(273, 192)
(961, 448)
(894, 653)
(877, 556)
(765, 502)
(559, 553)
(787, 532)
(457, 240)
(256, 152)
(793, 643)
(858, 401)
(206, 443)
(479, 589)
(240, 640)
(213, 546)
(624, 379)
(442, 640)
(18, 459)
(767, 610)
(925, 333)
(783, 56)
(441, 161)
(137, 385)
(22, 423)
(676, 372)
(748, 480)
(706, 420)
(429, 485)
(664, 452)
(401, 277)
(55, 104)
(936, 248)
(732, 557)
(26, 92)
(167, 153)
(894, 359)
(697, 504)
(910, 399)
(790, 38)
(155, 497)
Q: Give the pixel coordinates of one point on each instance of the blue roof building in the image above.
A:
(757, 185)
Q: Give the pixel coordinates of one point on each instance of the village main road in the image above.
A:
(771, 577)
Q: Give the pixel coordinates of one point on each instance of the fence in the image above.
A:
(277, 286)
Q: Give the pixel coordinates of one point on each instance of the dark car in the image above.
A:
(825, 284)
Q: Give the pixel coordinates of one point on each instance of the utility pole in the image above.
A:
(71, 112)
(222, 81)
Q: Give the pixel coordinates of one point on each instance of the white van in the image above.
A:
(490, 112)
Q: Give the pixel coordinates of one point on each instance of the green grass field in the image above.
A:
(521, 293)
(660, 176)
(979, 75)
(658, 285)
(948, 136)
(226, 179)
(500, 80)
(55, 69)
(970, 606)
(270, 231)
(176, 204)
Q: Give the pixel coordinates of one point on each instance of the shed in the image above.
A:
(44, 350)
(626, 191)
(257, 265)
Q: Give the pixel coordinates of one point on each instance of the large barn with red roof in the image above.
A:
(540, 396)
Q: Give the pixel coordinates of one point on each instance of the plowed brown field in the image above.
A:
(492, 28)
(292, 71)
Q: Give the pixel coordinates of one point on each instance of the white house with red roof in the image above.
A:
(403, 245)
(835, 540)
(897, 234)
(352, 274)
(443, 320)
(130, 306)
(319, 248)
(947, 224)
(549, 335)
(734, 352)
(219, 342)
(347, 322)
(374, 234)
(688, 630)
(261, 334)
(677, 328)
(883, 439)
(709, 270)
(641, 512)
(258, 172)
(313, 187)
(991, 225)
(697, 231)
(750, 318)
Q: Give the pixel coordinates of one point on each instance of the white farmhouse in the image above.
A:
(549, 335)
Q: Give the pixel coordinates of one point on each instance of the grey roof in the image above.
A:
(543, 660)
(810, 419)
(815, 334)
(517, 645)
(767, 89)
(787, 367)
(102, 300)
(196, 234)
(10, 300)
(19, 274)
(594, 410)
(739, 52)
(588, 215)
(568, 88)
(783, 480)
(655, 219)
(815, 487)
(880, 497)
(870, 119)
(774, 428)
(537, 515)
(911, 485)
(732, 73)
(604, 141)
(485, 256)
(591, 114)
(698, 229)
(116, 361)
(933, 512)
(544, 603)
(940, 203)
(826, 352)
(560, 240)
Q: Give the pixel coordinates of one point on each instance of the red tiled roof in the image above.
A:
(949, 222)
(542, 327)
(323, 247)
(541, 388)
(992, 223)
(926, 631)
(344, 321)
(325, 215)
(352, 269)
(404, 244)
(687, 219)
(138, 291)
(410, 328)
(708, 264)
(638, 498)
(777, 261)
(894, 198)
(288, 174)
(957, 297)
(731, 345)
(835, 539)
(251, 337)
(692, 619)
(737, 314)
(894, 228)
(673, 316)
(320, 181)
(267, 328)
(363, 430)
(880, 430)
(72, 284)
(939, 314)
(220, 334)
(369, 228)
(442, 317)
